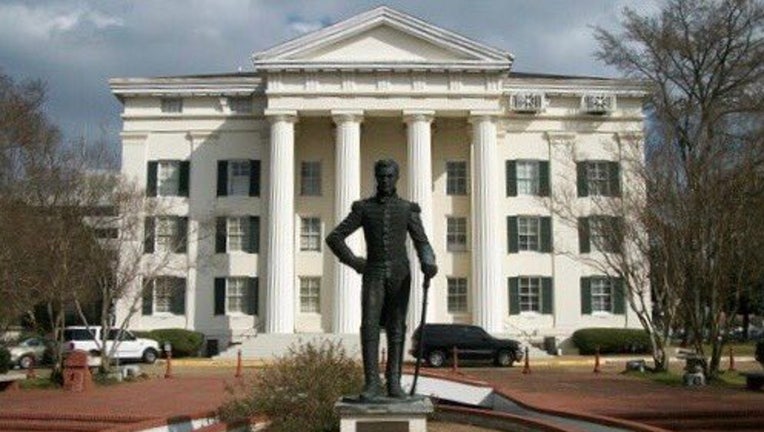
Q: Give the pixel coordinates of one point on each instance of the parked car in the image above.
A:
(129, 347)
(30, 351)
(471, 342)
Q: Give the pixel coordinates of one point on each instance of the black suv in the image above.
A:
(471, 342)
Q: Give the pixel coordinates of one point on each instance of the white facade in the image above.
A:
(314, 116)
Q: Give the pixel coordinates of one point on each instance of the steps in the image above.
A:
(270, 345)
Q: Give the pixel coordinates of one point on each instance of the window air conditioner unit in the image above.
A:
(598, 103)
(527, 102)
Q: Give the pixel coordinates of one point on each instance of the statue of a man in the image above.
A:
(385, 219)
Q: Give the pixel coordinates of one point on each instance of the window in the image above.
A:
(457, 295)
(598, 178)
(310, 178)
(527, 177)
(600, 233)
(236, 295)
(602, 295)
(166, 234)
(456, 178)
(166, 295)
(240, 105)
(310, 295)
(238, 177)
(529, 233)
(310, 234)
(530, 294)
(106, 233)
(456, 234)
(169, 178)
(237, 234)
(172, 105)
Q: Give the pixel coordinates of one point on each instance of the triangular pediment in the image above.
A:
(383, 38)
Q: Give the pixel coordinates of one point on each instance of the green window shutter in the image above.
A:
(586, 296)
(151, 178)
(619, 300)
(584, 245)
(181, 239)
(581, 180)
(184, 178)
(253, 242)
(546, 234)
(618, 232)
(252, 305)
(221, 234)
(614, 172)
(544, 189)
(547, 296)
(512, 234)
(147, 308)
(514, 296)
(254, 178)
(148, 235)
(222, 178)
(219, 296)
(178, 305)
(511, 180)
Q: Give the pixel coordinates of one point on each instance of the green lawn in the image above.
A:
(724, 379)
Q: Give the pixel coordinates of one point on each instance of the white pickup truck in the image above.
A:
(129, 347)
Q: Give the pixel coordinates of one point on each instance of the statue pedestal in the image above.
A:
(408, 416)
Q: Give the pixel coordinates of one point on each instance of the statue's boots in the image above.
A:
(372, 388)
(393, 370)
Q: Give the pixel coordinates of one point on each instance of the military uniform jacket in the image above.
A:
(385, 222)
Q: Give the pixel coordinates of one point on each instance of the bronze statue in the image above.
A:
(385, 219)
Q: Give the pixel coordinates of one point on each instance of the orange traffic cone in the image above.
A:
(238, 364)
(597, 361)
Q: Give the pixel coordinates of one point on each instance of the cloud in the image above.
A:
(77, 45)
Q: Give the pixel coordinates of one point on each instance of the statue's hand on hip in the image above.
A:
(429, 270)
(359, 265)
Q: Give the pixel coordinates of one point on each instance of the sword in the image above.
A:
(420, 348)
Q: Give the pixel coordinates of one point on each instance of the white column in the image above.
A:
(488, 289)
(280, 289)
(419, 172)
(347, 188)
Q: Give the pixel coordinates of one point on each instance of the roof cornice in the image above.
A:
(186, 86)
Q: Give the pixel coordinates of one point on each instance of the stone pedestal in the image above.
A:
(388, 417)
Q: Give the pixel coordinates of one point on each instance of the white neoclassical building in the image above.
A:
(255, 168)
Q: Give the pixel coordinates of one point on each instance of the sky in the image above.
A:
(76, 46)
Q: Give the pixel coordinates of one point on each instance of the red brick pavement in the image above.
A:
(149, 399)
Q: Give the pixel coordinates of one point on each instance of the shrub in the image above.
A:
(185, 343)
(297, 392)
(5, 360)
(612, 341)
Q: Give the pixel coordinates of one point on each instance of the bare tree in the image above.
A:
(704, 166)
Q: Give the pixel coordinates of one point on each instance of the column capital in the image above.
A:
(274, 115)
(346, 115)
(418, 115)
(483, 115)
